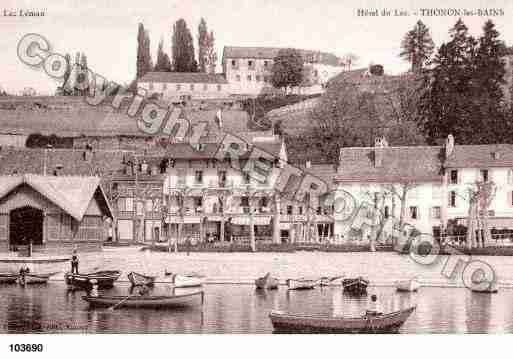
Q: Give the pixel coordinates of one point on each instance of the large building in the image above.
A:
(248, 69)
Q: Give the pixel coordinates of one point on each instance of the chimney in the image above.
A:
(449, 146)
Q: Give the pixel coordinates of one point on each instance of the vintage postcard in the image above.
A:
(255, 167)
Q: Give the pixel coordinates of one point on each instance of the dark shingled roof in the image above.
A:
(400, 164)
(497, 155)
(183, 77)
(252, 52)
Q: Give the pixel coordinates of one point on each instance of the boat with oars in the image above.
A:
(137, 279)
(410, 285)
(185, 280)
(145, 301)
(8, 278)
(34, 278)
(366, 324)
(355, 286)
(104, 279)
(267, 282)
(331, 281)
(302, 283)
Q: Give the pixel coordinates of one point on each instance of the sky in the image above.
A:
(106, 31)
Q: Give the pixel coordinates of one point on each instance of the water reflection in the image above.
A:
(243, 309)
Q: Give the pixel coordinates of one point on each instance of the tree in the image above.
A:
(163, 63)
(417, 46)
(144, 62)
(287, 69)
(480, 197)
(183, 48)
(202, 45)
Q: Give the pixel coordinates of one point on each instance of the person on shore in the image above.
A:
(74, 262)
(374, 309)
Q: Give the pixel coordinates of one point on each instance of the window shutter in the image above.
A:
(510, 199)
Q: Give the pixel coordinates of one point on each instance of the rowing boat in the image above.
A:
(486, 288)
(35, 278)
(302, 283)
(144, 301)
(331, 281)
(104, 279)
(140, 279)
(267, 282)
(367, 324)
(8, 278)
(355, 286)
(185, 280)
(411, 285)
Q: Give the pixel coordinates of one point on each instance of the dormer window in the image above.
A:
(496, 155)
(454, 176)
(484, 175)
(234, 63)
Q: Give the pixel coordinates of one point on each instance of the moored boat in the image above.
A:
(302, 283)
(8, 278)
(411, 285)
(267, 282)
(185, 280)
(490, 288)
(104, 279)
(34, 278)
(355, 286)
(331, 281)
(367, 324)
(144, 301)
(140, 279)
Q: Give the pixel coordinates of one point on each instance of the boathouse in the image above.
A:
(55, 214)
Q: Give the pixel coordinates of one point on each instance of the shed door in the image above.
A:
(126, 229)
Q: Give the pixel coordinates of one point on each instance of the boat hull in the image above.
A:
(35, 278)
(407, 286)
(331, 281)
(104, 279)
(8, 278)
(386, 323)
(302, 284)
(492, 288)
(355, 286)
(267, 283)
(137, 279)
(184, 281)
(145, 301)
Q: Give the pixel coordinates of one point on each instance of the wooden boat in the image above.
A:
(411, 285)
(185, 280)
(367, 324)
(491, 288)
(302, 283)
(8, 278)
(331, 281)
(355, 286)
(140, 279)
(144, 301)
(267, 282)
(104, 279)
(35, 278)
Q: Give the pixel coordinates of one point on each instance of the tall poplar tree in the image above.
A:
(163, 63)
(144, 62)
(183, 48)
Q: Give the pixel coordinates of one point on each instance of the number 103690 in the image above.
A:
(24, 348)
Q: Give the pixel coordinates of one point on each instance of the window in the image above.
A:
(436, 212)
(205, 87)
(484, 175)
(454, 176)
(300, 209)
(414, 212)
(164, 87)
(289, 209)
(218, 87)
(257, 78)
(250, 63)
(264, 202)
(234, 63)
(198, 176)
(178, 87)
(244, 201)
(192, 87)
(222, 178)
(266, 78)
(198, 204)
(266, 63)
(452, 199)
(246, 178)
(319, 210)
(149, 205)
(151, 85)
(387, 212)
(249, 77)
(237, 77)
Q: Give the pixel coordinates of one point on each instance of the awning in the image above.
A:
(186, 219)
(257, 220)
(497, 222)
(173, 219)
(215, 218)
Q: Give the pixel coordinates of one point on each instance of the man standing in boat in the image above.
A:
(374, 307)
(74, 262)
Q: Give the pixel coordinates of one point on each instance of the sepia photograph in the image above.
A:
(254, 167)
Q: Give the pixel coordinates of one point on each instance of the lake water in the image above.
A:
(443, 305)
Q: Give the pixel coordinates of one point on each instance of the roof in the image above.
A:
(253, 52)
(183, 77)
(472, 156)
(72, 194)
(325, 172)
(400, 164)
